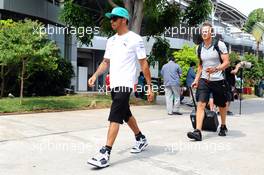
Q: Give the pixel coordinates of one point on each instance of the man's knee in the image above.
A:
(201, 105)
(129, 119)
(222, 108)
(114, 124)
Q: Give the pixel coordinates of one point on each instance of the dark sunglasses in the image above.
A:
(114, 18)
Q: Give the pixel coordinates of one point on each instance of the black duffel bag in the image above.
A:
(210, 122)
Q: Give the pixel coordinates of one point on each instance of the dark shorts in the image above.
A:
(217, 88)
(120, 110)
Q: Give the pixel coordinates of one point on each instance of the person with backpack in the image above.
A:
(214, 59)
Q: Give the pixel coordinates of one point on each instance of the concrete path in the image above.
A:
(60, 143)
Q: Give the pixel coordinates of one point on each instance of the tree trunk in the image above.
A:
(111, 2)
(257, 50)
(137, 17)
(2, 81)
(22, 81)
(129, 6)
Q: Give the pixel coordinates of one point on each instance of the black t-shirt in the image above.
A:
(230, 78)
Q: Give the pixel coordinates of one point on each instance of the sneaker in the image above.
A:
(190, 104)
(101, 160)
(177, 113)
(196, 135)
(223, 130)
(140, 146)
(229, 113)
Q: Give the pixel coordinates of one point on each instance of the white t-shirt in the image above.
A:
(210, 58)
(124, 52)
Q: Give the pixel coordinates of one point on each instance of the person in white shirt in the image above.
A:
(123, 51)
(213, 60)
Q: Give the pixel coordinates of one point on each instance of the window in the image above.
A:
(56, 2)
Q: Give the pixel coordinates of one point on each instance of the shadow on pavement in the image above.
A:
(230, 134)
(151, 151)
(148, 156)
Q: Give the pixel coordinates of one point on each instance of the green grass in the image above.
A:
(62, 103)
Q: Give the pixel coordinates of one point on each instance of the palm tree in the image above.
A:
(257, 32)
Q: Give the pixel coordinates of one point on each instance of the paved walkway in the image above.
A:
(60, 144)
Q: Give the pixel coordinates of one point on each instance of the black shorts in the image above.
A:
(120, 110)
(217, 88)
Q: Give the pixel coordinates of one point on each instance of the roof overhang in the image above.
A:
(228, 14)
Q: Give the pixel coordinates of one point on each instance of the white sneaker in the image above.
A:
(101, 160)
(140, 146)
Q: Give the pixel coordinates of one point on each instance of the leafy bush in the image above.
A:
(233, 58)
(253, 75)
(52, 82)
(42, 82)
(184, 57)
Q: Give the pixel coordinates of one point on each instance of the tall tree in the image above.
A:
(254, 17)
(257, 32)
(154, 14)
(197, 12)
(5, 55)
(25, 44)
